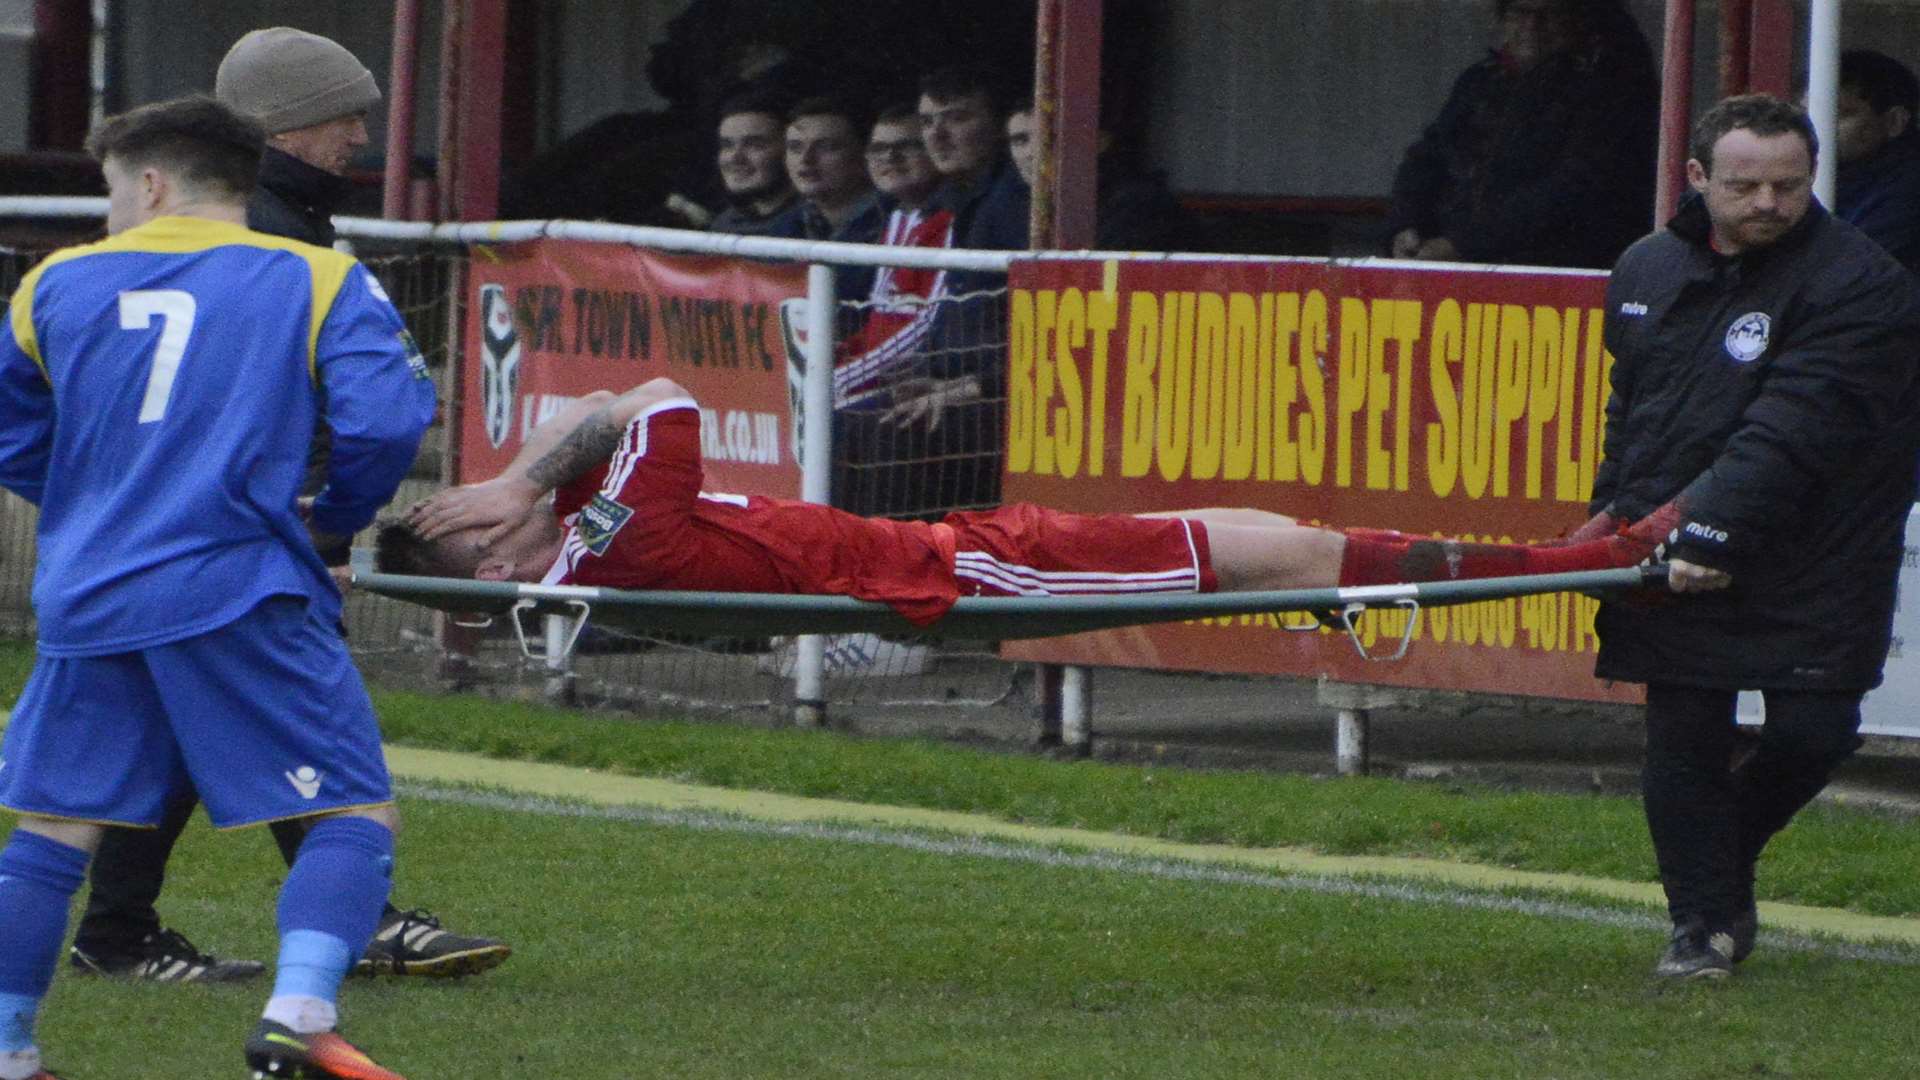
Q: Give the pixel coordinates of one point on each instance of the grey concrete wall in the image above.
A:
(16, 48)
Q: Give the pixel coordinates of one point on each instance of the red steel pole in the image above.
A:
(447, 160)
(1066, 123)
(1076, 127)
(396, 187)
(1046, 114)
(1770, 67)
(1676, 108)
(1736, 25)
(481, 56)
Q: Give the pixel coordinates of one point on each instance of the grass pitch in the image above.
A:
(669, 944)
(708, 948)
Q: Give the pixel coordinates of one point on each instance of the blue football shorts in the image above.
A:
(266, 718)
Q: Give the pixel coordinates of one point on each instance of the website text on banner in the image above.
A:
(1449, 402)
(552, 320)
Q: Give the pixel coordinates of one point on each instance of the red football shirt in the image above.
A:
(643, 523)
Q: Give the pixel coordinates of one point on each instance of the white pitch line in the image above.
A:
(1169, 869)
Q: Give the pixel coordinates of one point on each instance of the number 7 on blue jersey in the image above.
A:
(176, 309)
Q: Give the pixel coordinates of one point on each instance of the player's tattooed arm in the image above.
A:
(498, 504)
(588, 445)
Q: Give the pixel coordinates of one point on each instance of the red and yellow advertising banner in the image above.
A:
(1459, 403)
(553, 320)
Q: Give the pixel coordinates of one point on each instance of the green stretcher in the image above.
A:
(996, 618)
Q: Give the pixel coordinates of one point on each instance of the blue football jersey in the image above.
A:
(158, 395)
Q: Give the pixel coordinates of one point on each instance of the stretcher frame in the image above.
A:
(997, 618)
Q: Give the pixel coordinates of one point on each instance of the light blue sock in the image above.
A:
(311, 965)
(38, 878)
(330, 905)
(16, 1021)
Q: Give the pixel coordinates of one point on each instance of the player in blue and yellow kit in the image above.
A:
(157, 399)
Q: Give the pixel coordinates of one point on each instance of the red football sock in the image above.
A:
(1383, 557)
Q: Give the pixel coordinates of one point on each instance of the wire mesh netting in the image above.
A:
(923, 437)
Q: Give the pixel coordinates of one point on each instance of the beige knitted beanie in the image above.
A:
(288, 79)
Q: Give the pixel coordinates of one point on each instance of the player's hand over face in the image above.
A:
(1686, 577)
(496, 505)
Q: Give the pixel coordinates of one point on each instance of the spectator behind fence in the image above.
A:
(827, 166)
(932, 440)
(1544, 151)
(1878, 152)
(962, 120)
(890, 330)
(1133, 208)
(751, 169)
(655, 166)
(311, 96)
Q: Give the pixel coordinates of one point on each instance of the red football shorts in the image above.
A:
(1027, 550)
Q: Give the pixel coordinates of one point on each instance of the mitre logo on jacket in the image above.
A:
(1708, 533)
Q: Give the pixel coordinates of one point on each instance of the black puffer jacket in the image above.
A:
(1777, 394)
(295, 200)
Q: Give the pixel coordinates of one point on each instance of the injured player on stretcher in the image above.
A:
(627, 511)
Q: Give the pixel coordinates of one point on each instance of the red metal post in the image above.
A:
(61, 82)
(470, 97)
(1736, 23)
(1066, 123)
(1076, 127)
(447, 160)
(1046, 114)
(402, 88)
(1676, 108)
(1770, 62)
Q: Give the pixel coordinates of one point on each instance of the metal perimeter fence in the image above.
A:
(755, 678)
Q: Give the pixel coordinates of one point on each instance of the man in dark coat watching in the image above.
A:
(1766, 382)
(1544, 152)
(1877, 185)
(312, 97)
(760, 199)
(932, 442)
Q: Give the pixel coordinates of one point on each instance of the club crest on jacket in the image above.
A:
(1747, 337)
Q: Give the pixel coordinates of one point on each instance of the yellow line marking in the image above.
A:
(585, 785)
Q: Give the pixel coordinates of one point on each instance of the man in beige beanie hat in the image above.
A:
(312, 97)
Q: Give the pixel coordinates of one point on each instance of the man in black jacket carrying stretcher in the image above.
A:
(1767, 380)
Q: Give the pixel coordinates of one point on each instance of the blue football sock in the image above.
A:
(38, 878)
(331, 903)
